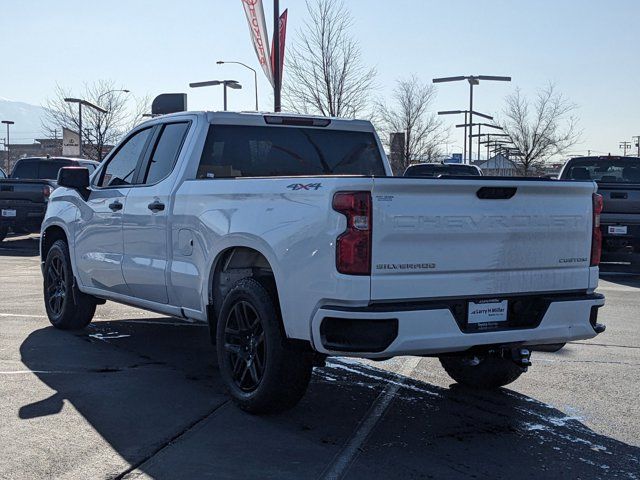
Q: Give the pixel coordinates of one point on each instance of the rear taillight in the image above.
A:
(353, 247)
(46, 191)
(596, 236)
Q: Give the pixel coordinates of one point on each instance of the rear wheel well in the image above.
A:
(50, 236)
(233, 265)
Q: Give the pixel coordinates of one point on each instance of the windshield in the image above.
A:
(437, 169)
(605, 170)
(245, 151)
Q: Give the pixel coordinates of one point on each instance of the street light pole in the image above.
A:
(225, 83)
(276, 57)
(255, 77)
(465, 125)
(473, 80)
(111, 91)
(8, 123)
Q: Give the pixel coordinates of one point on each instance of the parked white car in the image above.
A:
(292, 239)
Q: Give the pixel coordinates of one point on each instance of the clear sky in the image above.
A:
(589, 48)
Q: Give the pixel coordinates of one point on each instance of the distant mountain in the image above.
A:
(28, 124)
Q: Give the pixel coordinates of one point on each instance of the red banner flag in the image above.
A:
(255, 18)
(282, 32)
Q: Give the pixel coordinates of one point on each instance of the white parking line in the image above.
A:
(377, 410)
(150, 322)
(22, 372)
(21, 315)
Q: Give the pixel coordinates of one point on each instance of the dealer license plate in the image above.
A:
(8, 213)
(617, 229)
(487, 311)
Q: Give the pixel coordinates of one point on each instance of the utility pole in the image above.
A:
(637, 139)
(8, 123)
(624, 146)
(277, 107)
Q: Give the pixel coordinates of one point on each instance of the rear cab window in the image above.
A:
(437, 169)
(604, 170)
(25, 169)
(233, 151)
(48, 169)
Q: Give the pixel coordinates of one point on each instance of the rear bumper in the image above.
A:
(433, 331)
(27, 217)
(621, 250)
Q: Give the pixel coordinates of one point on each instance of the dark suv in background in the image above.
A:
(24, 195)
(618, 180)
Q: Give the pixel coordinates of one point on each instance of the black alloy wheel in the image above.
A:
(67, 307)
(262, 371)
(245, 347)
(56, 287)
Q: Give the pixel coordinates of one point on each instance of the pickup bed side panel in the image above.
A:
(289, 220)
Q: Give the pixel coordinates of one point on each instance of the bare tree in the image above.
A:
(99, 129)
(421, 131)
(540, 129)
(325, 71)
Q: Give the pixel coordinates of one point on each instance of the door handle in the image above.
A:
(156, 206)
(115, 206)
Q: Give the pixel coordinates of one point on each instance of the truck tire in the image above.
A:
(67, 307)
(3, 233)
(481, 371)
(262, 373)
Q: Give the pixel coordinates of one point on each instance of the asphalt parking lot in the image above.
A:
(139, 396)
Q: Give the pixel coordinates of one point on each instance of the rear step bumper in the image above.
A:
(383, 331)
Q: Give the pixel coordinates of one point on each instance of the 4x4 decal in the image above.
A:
(302, 186)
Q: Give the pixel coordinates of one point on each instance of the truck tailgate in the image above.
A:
(437, 238)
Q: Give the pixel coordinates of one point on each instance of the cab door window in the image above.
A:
(165, 153)
(122, 167)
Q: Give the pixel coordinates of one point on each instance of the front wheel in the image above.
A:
(67, 307)
(261, 372)
(482, 371)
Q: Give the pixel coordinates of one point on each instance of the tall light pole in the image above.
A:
(255, 77)
(80, 103)
(480, 134)
(466, 113)
(488, 139)
(473, 80)
(277, 81)
(225, 83)
(8, 123)
(124, 90)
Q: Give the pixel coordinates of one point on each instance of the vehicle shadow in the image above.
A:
(20, 246)
(626, 279)
(151, 389)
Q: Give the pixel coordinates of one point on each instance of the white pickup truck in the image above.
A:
(292, 239)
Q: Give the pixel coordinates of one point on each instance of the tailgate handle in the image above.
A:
(496, 193)
(622, 195)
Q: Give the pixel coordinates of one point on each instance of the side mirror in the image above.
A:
(76, 178)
